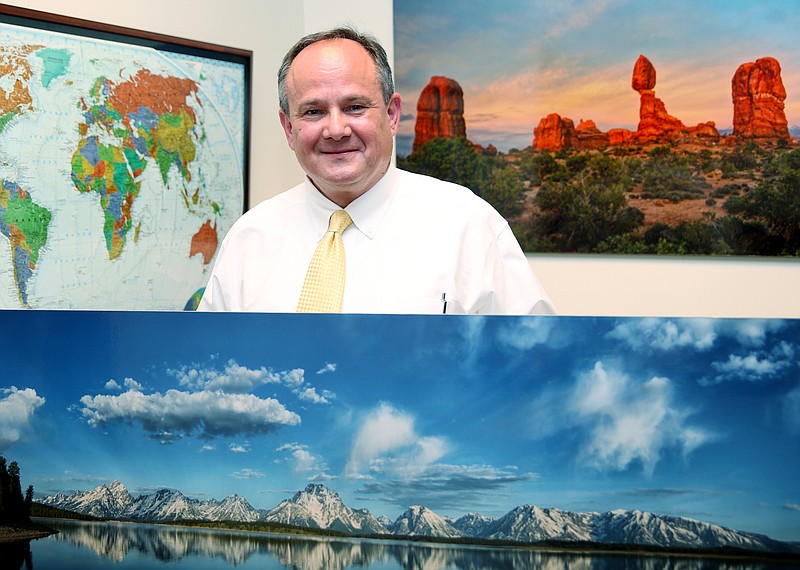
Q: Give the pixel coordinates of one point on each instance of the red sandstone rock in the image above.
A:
(707, 130)
(655, 124)
(621, 136)
(440, 111)
(554, 133)
(644, 75)
(758, 95)
(589, 136)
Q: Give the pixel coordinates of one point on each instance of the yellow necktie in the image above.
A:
(323, 288)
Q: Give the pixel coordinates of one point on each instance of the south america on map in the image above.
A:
(121, 169)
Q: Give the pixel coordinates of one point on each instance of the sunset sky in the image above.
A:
(688, 417)
(520, 60)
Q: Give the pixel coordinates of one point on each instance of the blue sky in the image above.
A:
(688, 417)
(520, 60)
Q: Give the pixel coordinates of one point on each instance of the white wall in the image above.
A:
(579, 285)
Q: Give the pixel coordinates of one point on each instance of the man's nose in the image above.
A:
(338, 126)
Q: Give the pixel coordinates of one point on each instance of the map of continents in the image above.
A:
(120, 169)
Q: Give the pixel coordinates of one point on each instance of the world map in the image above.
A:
(121, 168)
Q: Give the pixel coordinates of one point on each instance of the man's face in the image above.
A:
(338, 125)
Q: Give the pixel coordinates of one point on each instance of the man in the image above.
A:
(415, 245)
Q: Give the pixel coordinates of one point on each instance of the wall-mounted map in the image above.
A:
(121, 168)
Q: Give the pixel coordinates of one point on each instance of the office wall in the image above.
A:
(579, 285)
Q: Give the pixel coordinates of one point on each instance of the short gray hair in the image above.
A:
(367, 41)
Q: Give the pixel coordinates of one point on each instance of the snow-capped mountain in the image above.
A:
(420, 521)
(105, 501)
(472, 524)
(529, 523)
(637, 527)
(316, 506)
(113, 501)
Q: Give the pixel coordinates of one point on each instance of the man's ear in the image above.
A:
(395, 107)
(286, 123)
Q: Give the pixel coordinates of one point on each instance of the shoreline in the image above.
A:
(15, 533)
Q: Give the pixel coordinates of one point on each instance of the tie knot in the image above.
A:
(339, 221)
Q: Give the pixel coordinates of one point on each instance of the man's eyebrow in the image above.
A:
(349, 100)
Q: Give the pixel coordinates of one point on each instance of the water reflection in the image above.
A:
(16, 554)
(116, 541)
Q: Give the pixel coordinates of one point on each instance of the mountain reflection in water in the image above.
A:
(116, 541)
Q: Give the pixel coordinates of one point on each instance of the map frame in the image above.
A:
(160, 42)
(171, 48)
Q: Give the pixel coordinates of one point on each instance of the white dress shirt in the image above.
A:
(417, 245)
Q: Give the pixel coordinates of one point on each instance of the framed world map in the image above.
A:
(123, 162)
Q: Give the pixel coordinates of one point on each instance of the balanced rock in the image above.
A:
(655, 124)
(644, 75)
(758, 96)
(440, 112)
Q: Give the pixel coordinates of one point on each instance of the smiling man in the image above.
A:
(407, 243)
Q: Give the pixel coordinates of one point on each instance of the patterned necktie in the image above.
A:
(324, 285)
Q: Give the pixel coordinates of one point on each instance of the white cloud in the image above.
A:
(247, 474)
(754, 366)
(238, 379)
(329, 367)
(17, 408)
(310, 395)
(387, 441)
(113, 385)
(176, 414)
(751, 332)
(234, 378)
(665, 334)
(524, 334)
(304, 461)
(627, 421)
(239, 448)
(132, 384)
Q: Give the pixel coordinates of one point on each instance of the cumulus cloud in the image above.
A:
(234, 378)
(751, 332)
(755, 366)
(627, 421)
(132, 384)
(302, 459)
(176, 414)
(311, 395)
(665, 334)
(329, 367)
(388, 442)
(17, 408)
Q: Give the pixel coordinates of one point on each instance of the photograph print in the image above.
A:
(611, 127)
(511, 435)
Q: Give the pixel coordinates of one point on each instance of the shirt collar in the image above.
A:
(366, 211)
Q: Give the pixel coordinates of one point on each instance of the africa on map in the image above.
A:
(121, 169)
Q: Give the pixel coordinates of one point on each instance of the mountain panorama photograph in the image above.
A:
(399, 437)
(611, 127)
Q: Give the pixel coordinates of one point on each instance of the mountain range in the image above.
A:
(317, 506)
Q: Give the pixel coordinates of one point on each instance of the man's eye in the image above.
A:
(312, 112)
(355, 108)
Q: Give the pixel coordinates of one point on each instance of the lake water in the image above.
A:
(122, 546)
